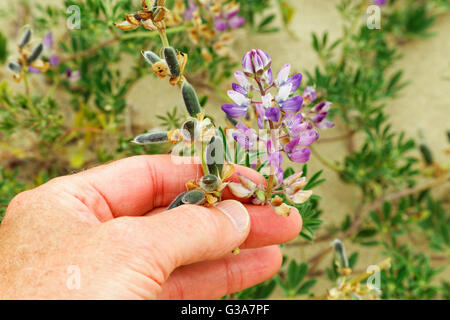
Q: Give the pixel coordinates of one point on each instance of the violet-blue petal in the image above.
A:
(290, 147)
(261, 115)
(220, 25)
(325, 124)
(240, 89)
(236, 22)
(300, 155)
(273, 114)
(308, 137)
(235, 111)
(54, 61)
(33, 70)
(295, 80)
(48, 40)
(310, 94)
(292, 105)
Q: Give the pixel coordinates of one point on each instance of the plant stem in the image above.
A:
(133, 35)
(30, 104)
(326, 162)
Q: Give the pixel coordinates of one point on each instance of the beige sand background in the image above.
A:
(424, 104)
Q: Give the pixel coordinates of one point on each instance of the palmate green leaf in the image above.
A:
(306, 287)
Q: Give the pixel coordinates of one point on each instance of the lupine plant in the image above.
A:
(273, 121)
(290, 124)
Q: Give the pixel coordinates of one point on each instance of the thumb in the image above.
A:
(190, 234)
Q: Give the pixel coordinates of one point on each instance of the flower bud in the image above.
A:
(35, 53)
(196, 197)
(256, 62)
(26, 38)
(151, 57)
(151, 138)
(172, 61)
(191, 99)
(209, 183)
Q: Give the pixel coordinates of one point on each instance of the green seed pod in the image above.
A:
(35, 53)
(26, 38)
(196, 197)
(426, 154)
(151, 57)
(191, 99)
(341, 256)
(171, 58)
(152, 137)
(177, 202)
(209, 183)
(14, 67)
(215, 156)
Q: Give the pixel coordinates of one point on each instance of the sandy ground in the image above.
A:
(424, 104)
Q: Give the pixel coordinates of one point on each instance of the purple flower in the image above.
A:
(308, 137)
(261, 115)
(320, 113)
(379, 2)
(296, 154)
(189, 13)
(283, 79)
(292, 105)
(229, 19)
(242, 102)
(72, 75)
(274, 157)
(33, 70)
(273, 114)
(309, 95)
(300, 155)
(48, 43)
(235, 111)
(256, 62)
(245, 136)
(54, 61)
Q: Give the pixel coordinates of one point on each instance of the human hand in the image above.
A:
(110, 223)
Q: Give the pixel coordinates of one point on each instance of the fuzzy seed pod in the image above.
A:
(177, 202)
(341, 256)
(191, 99)
(209, 183)
(172, 61)
(189, 130)
(151, 57)
(26, 38)
(152, 137)
(215, 156)
(196, 197)
(14, 67)
(426, 154)
(35, 53)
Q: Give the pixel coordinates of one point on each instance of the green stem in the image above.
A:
(204, 165)
(325, 161)
(30, 104)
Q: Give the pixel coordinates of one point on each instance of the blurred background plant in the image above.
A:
(79, 114)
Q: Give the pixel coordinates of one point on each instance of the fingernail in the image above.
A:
(237, 213)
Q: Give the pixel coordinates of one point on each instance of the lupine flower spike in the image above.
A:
(293, 120)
